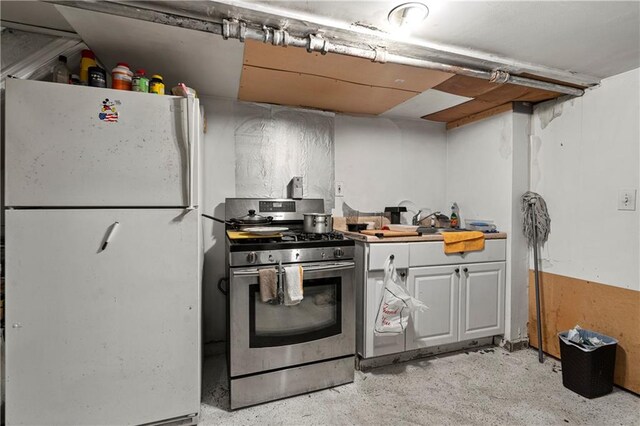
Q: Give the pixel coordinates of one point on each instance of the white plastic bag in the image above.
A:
(395, 305)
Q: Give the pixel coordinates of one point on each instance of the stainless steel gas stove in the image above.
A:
(276, 351)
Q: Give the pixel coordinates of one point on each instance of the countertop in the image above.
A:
(429, 237)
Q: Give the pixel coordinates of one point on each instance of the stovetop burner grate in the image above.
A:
(291, 239)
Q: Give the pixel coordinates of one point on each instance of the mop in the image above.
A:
(536, 225)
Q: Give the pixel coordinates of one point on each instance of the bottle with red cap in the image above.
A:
(87, 61)
(121, 77)
(140, 82)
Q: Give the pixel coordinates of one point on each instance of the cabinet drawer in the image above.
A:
(379, 252)
(432, 253)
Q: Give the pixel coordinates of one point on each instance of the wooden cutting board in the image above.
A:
(240, 235)
(389, 234)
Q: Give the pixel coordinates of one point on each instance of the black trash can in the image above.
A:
(588, 370)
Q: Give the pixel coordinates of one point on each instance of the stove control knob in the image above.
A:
(252, 257)
(338, 253)
(322, 254)
(270, 258)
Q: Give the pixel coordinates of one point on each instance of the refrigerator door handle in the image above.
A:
(191, 141)
(110, 233)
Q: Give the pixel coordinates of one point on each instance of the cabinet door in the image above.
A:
(482, 289)
(378, 345)
(437, 287)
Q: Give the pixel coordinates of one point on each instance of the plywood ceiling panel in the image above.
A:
(503, 93)
(356, 85)
(460, 111)
(298, 89)
(470, 87)
(480, 115)
(487, 96)
(340, 67)
(537, 95)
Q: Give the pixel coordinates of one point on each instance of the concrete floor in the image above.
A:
(490, 386)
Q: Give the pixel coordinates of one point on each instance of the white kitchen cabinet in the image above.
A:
(437, 287)
(376, 345)
(465, 293)
(465, 302)
(482, 288)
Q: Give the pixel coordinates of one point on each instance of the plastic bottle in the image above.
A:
(455, 219)
(156, 85)
(60, 71)
(97, 77)
(87, 61)
(121, 77)
(140, 82)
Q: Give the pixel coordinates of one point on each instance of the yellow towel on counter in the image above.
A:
(458, 242)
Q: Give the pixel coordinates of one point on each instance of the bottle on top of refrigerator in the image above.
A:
(60, 71)
(455, 216)
(97, 77)
(156, 85)
(140, 82)
(87, 61)
(121, 77)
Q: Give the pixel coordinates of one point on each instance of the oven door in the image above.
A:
(266, 336)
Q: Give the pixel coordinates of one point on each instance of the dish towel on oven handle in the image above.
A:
(293, 278)
(268, 279)
(396, 305)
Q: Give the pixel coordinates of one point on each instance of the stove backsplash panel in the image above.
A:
(273, 144)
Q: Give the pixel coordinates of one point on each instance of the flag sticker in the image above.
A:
(108, 111)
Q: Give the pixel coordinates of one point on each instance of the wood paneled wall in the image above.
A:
(609, 310)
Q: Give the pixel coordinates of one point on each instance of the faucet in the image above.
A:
(416, 219)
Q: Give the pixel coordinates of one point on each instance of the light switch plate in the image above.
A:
(627, 199)
(339, 189)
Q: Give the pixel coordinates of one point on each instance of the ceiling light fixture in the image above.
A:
(408, 15)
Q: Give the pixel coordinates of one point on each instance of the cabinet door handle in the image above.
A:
(466, 270)
(457, 270)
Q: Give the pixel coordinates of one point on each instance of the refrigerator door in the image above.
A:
(102, 336)
(89, 147)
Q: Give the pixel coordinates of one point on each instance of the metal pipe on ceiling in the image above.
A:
(232, 28)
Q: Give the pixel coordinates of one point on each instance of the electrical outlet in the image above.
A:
(339, 189)
(627, 199)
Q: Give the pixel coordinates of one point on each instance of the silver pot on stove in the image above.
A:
(318, 223)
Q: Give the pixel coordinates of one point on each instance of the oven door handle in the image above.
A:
(334, 266)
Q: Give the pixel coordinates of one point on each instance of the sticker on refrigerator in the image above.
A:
(108, 111)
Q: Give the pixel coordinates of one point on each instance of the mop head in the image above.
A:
(540, 222)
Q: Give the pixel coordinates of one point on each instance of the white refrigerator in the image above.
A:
(103, 256)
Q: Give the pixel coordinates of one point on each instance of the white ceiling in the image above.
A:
(424, 104)
(203, 61)
(599, 38)
(33, 13)
(592, 38)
